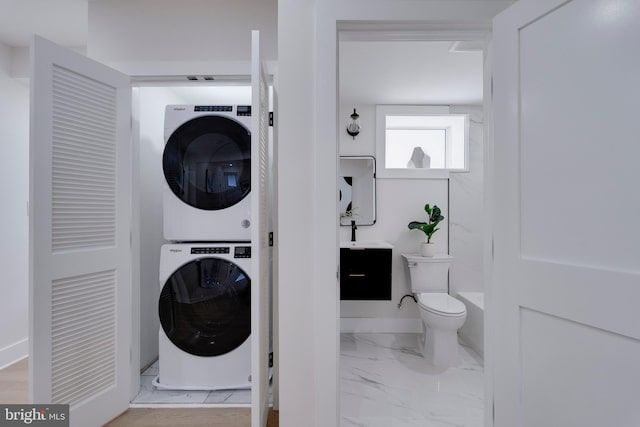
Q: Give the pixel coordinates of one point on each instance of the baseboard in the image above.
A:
(380, 325)
(14, 352)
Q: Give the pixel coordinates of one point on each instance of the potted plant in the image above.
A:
(434, 216)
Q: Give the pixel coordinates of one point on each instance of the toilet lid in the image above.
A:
(441, 303)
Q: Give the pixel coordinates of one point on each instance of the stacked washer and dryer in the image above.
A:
(205, 273)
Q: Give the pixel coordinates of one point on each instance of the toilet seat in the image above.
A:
(441, 304)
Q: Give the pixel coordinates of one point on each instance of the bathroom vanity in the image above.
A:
(365, 270)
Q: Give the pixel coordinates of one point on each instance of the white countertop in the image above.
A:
(367, 244)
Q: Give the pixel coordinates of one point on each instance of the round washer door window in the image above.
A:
(207, 162)
(205, 307)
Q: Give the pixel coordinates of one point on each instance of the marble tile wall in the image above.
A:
(466, 216)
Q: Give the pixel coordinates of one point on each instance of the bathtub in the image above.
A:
(472, 332)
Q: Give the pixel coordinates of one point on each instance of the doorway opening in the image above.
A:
(443, 70)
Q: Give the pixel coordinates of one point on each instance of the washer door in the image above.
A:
(205, 307)
(207, 162)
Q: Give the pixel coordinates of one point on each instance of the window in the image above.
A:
(420, 141)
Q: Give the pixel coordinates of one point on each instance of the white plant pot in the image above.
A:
(427, 249)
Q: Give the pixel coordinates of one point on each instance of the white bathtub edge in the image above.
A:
(472, 332)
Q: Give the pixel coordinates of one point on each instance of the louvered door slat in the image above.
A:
(79, 345)
(83, 176)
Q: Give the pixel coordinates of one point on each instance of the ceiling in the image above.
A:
(371, 72)
(410, 72)
(62, 21)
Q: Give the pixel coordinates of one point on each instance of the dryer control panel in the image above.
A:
(216, 108)
(241, 110)
(210, 250)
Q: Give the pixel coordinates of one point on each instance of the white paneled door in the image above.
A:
(80, 209)
(564, 318)
(259, 238)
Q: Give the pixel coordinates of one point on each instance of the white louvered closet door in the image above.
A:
(259, 238)
(80, 208)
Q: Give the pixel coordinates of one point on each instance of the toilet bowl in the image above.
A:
(441, 314)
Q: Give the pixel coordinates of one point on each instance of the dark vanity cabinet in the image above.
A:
(365, 274)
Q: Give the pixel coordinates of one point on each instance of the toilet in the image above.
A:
(441, 314)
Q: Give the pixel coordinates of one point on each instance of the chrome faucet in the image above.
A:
(353, 230)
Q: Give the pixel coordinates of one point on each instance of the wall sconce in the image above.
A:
(353, 128)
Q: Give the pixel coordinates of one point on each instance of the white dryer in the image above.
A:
(205, 316)
(207, 170)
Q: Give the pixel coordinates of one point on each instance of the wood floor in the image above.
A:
(14, 383)
(192, 417)
(14, 389)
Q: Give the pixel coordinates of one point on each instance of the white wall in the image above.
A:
(307, 241)
(152, 101)
(369, 74)
(466, 211)
(400, 201)
(14, 226)
(152, 37)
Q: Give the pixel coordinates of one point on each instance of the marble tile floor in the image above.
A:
(149, 395)
(385, 382)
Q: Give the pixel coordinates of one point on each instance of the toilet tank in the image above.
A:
(428, 274)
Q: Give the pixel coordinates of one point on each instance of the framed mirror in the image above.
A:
(357, 185)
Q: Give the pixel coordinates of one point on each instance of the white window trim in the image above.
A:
(406, 110)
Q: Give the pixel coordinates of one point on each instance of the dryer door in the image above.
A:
(205, 307)
(207, 162)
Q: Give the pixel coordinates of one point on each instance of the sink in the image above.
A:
(367, 244)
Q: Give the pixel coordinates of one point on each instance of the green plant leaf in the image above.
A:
(415, 225)
(430, 235)
(429, 228)
(436, 214)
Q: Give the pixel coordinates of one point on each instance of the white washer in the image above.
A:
(207, 171)
(205, 316)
